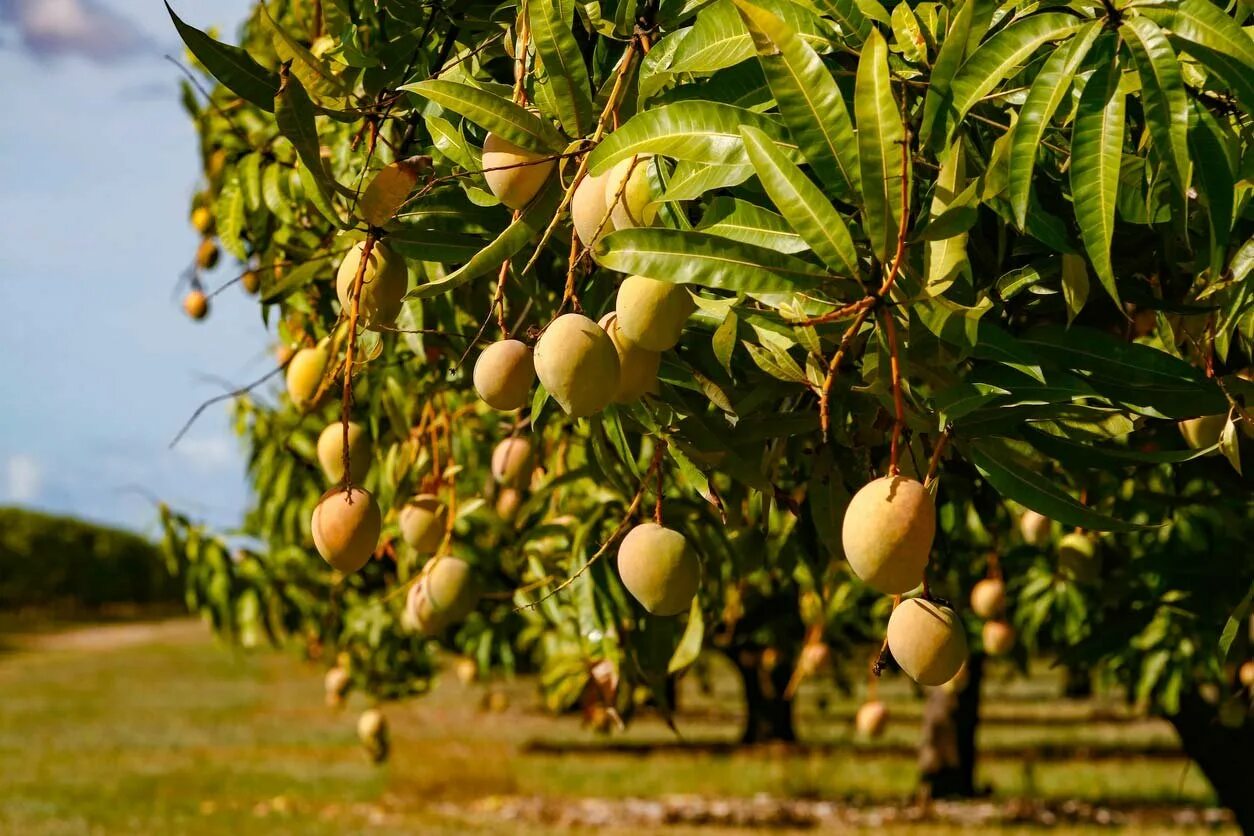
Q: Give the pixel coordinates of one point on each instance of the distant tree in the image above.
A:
(999, 250)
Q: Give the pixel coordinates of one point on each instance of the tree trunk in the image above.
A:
(768, 715)
(1225, 754)
(947, 753)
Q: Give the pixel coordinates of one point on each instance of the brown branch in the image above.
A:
(933, 465)
(899, 409)
(234, 393)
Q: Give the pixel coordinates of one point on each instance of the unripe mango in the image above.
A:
(331, 452)
(304, 373)
(871, 718)
(515, 187)
(383, 285)
(423, 521)
(446, 593)
(504, 374)
(988, 597)
(1077, 557)
(346, 526)
(511, 461)
(999, 638)
(202, 219)
(637, 367)
(577, 363)
(207, 254)
(1200, 433)
(196, 304)
(651, 313)
(589, 210)
(659, 569)
(251, 282)
(634, 206)
(887, 533)
(508, 502)
(1035, 528)
(927, 641)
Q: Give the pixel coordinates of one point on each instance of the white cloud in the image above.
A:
(208, 454)
(23, 477)
(87, 28)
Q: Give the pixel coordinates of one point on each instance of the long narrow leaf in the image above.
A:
(1163, 94)
(230, 65)
(1096, 151)
(881, 139)
(493, 113)
(563, 63)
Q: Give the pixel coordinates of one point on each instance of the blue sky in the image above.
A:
(98, 366)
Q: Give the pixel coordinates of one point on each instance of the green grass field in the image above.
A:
(158, 729)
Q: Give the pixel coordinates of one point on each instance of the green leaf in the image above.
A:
(810, 103)
(495, 114)
(702, 132)
(689, 257)
(965, 328)
(1096, 151)
(690, 180)
(1236, 620)
(1203, 23)
(952, 50)
(1017, 478)
(803, 204)
(947, 251)
(719, 39)
(1048, 90)
(229, 217)
(740, 220)
(1075, 284)
(908, 34)
(564, 67)
(1091, 456)
(230, 65)
(1215, 180)
(690, 642)
(997, 59)
(529, 224)
(881, 145)
(294, 116)
(1162, 95)
(854, 26)
(312, 71)
(724, 341)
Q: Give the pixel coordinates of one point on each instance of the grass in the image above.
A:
(169, 732)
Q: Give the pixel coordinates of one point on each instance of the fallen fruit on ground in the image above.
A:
(511, 461)
(331, 452)
(504, 375)
(887, 533)
(196, 304)
(659, 569)
(515, 175)
(998, 637)
(578, 365)
(372, 731)
(637, 367)
(871, 718)
(445, 593)
(345, 527)
(383, 284)
(988, 597)
(1035, 528)
(335, 683)
(927, 641)
(304, 373)
(589, 210)
(422, 522)
(651, 313)
(628, 193)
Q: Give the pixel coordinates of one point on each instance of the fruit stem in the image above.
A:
(933, 465)
(899, 408)
(656, 464)
(881, 660)
(346, 402)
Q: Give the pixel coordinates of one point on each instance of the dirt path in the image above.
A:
(106, 637)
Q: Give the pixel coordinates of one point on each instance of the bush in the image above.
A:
(57, 560)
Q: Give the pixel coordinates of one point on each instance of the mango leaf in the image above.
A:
(953, 49)
(1096, 151)
(908, 34)
(313, 72)
(495, 114)
(690, 642)
(947, 252)
(719, 39)
(1215, 180)
(690, 257)
(1048, 90)
(690, 180)
(529, 224)
(230, 65)
(1236, 620)
(1162, 94)
(724, 341)
(1203, 23)
(294, 116)
(998, 58)
(810, 103)
(881, 146)
(1075, 284)
(702, 132)
(564, 67)
(803, 204)
(1016, 477)
(741, 220)
(854, 26)
(1091, 456)
(966, 329)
